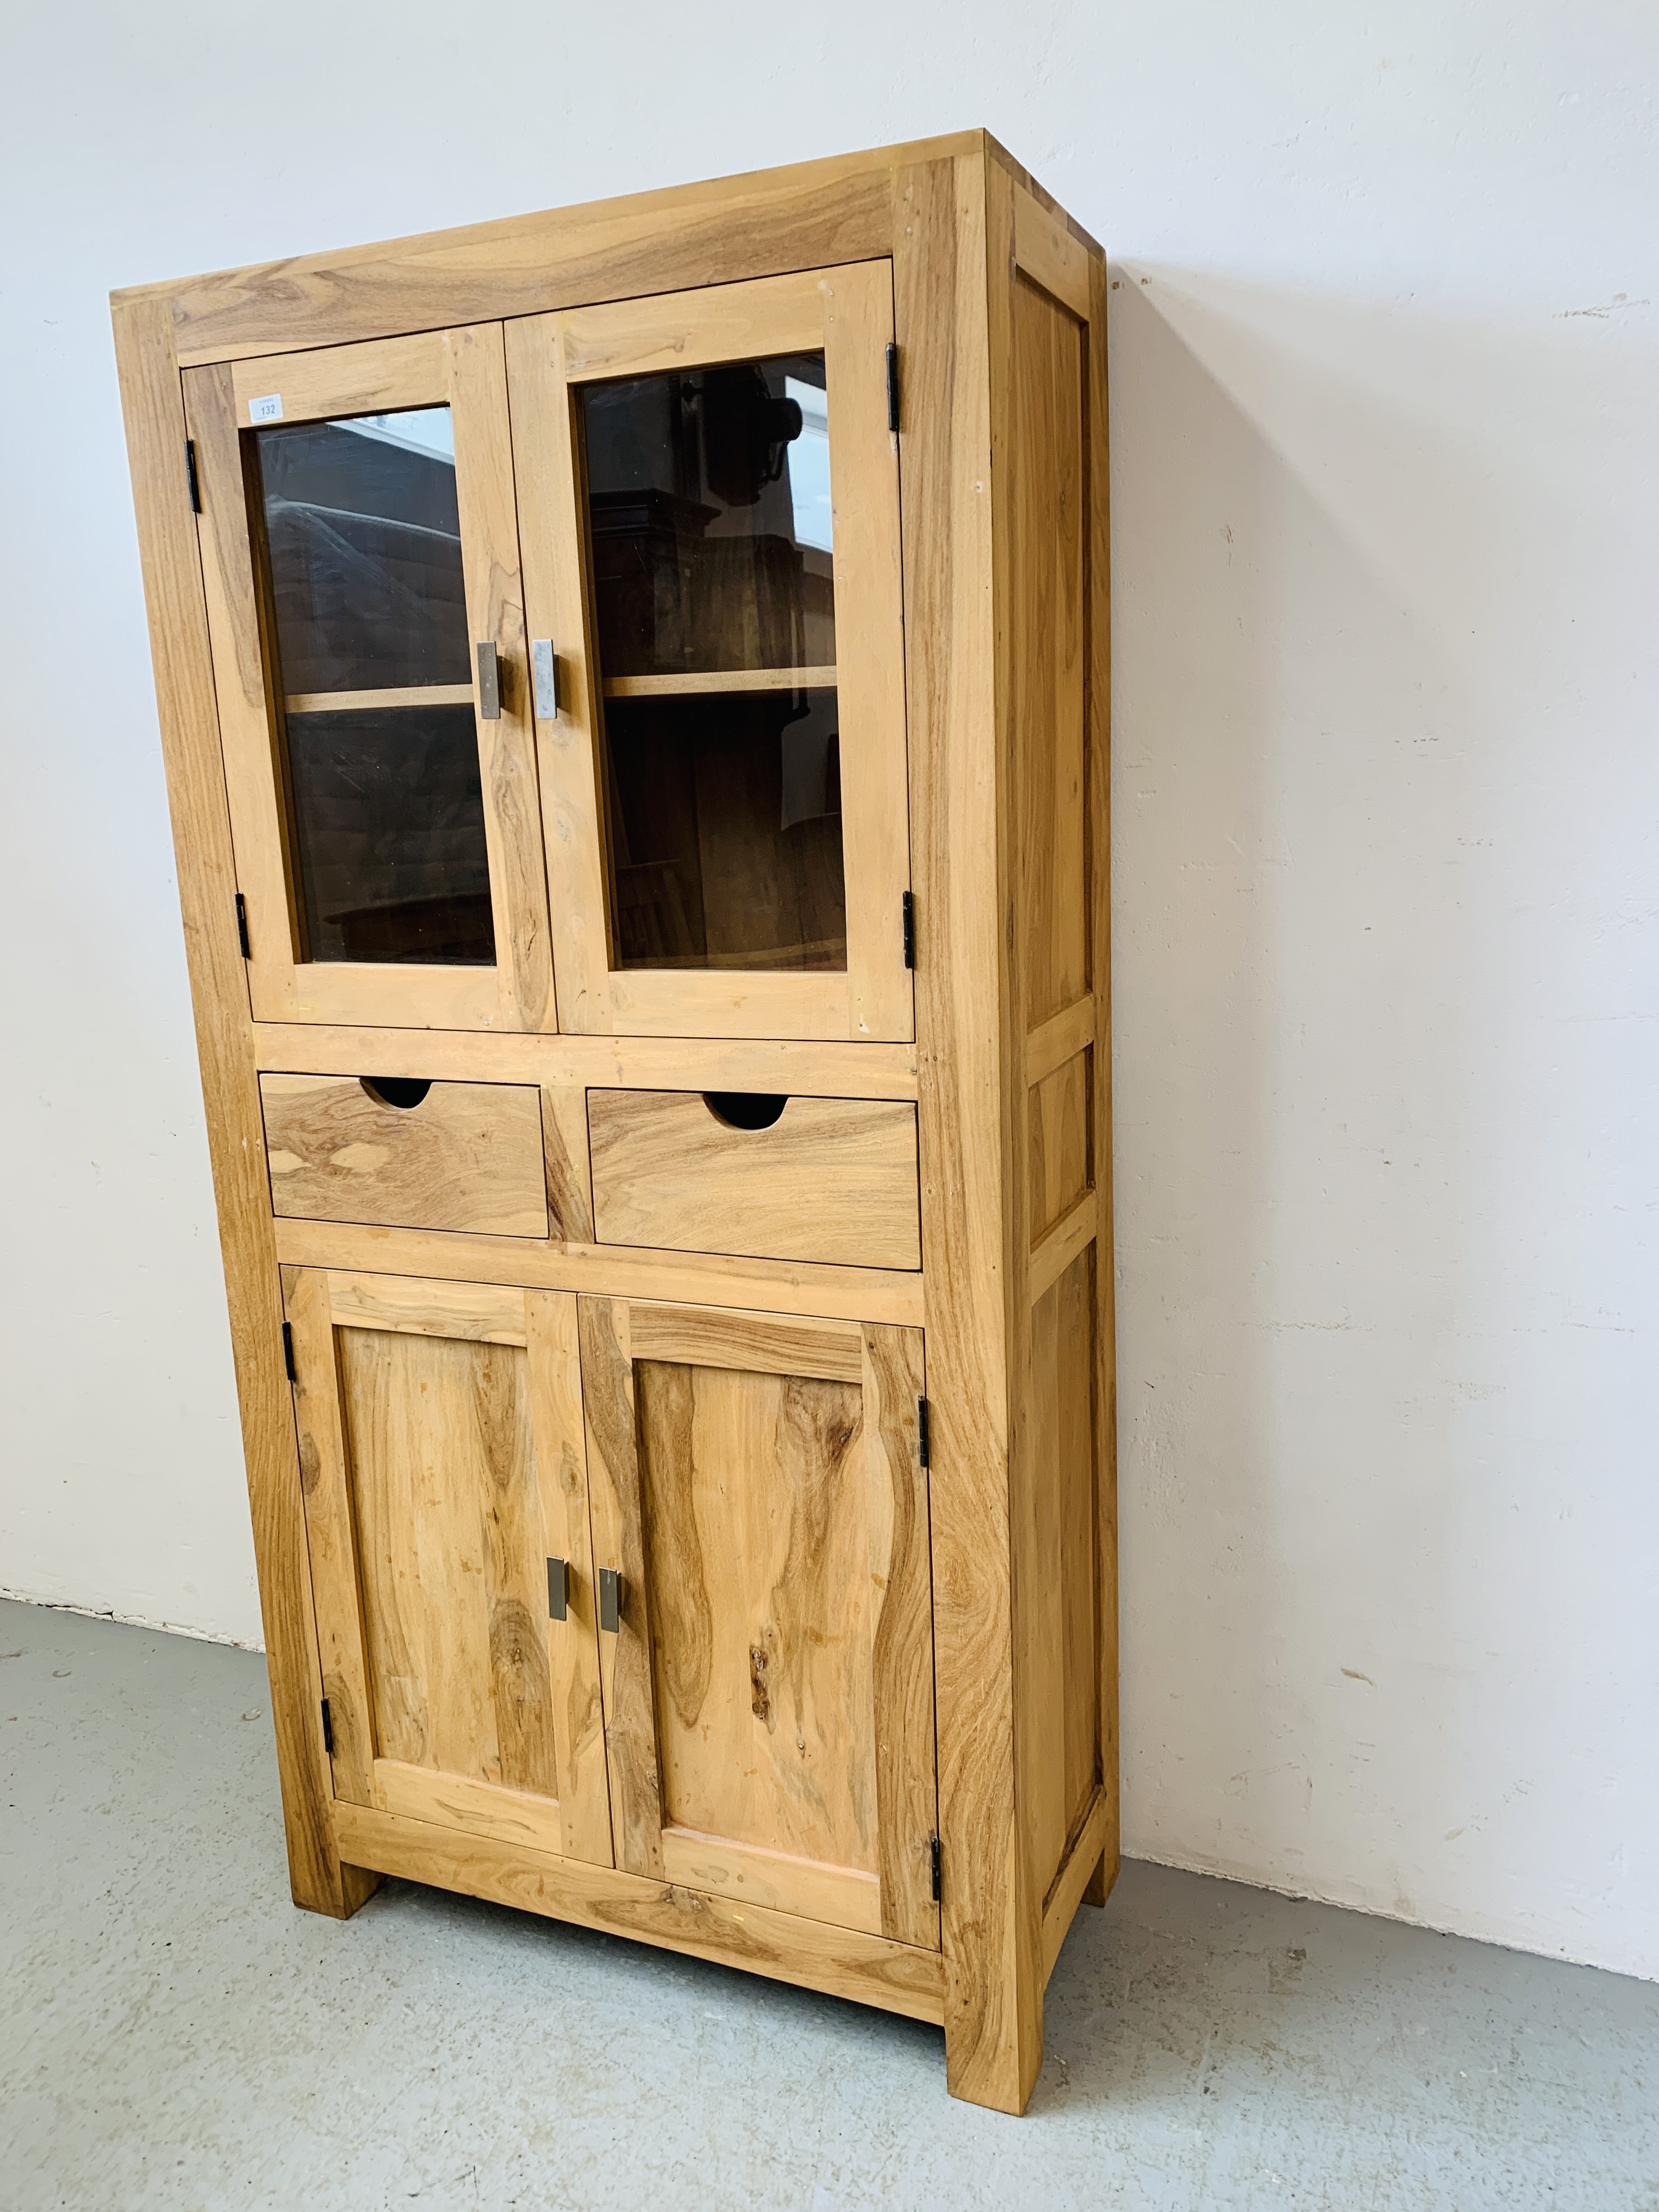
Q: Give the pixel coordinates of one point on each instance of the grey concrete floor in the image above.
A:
(173, 2033)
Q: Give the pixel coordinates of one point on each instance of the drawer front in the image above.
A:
(467, 1156)
(830, 1179)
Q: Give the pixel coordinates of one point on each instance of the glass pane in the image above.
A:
(365, 541)
(385, 804)
(709, 500)
(726, 830)
(388, 817)
(712, 545)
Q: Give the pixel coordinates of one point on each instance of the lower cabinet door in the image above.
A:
(756, 1486)
(446, 1500)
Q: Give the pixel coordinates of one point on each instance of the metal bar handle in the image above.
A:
(489, 682)
(610, 1599)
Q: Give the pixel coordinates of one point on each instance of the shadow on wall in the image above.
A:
(1384, 793)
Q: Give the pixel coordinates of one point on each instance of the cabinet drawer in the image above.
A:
(828, 1179)
(457, 1156)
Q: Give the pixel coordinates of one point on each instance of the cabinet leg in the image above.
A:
(357, 1886)
(1102, 1883)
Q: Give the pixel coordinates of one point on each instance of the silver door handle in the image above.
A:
(544, 676)
(490, 684)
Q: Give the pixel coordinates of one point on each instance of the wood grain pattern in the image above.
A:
(769, 1286)
(758, 1343)
(1060, 1119)
(1083, 1856)
(1059, 1039)
(450, 1552)
(358, 702)
(787, 1718)
(469, 1157)
(1047, 641)
(173, 557)
(553, 1345)
(1059, 1740)
(346, 380)
(942, 261)
(793, 1066)
(630, 1731)
(726, 231)
(1100, 922)
(785, 1947)
(902, 1659)
(760, 1602)
(1054, 1253)
(413, 1305)
(1050, 254)
(688, 682)
(833, 1179)
(843, 1896)
(566, 1163)
(326, 1478)
(726, 322)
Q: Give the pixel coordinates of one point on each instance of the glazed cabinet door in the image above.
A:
(766, 1653)
(360, 557)
(709, 510)
(446, 1502)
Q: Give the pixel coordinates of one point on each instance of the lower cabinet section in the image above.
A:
(642, 1586)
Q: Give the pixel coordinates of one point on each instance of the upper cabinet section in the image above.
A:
(708, 505)
(665, 764)
(361, 555)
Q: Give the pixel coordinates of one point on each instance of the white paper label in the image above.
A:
(268, 409)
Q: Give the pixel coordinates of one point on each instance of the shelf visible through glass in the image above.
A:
(367, 600)
(711, 546)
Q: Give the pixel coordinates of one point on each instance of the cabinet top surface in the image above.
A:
(214, 314)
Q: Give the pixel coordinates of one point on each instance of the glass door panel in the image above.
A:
(360, 555)
(711, 538)
(368, 606)
(709, 495)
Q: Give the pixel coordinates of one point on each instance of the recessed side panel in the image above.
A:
(1048, 646)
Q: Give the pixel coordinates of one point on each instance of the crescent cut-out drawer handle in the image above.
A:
(405, 1092)
(746, 1109)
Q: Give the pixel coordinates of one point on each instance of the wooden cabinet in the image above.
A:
(634, 688)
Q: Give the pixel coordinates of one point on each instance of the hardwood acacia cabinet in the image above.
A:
(634, 689)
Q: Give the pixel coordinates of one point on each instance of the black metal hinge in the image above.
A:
(328, 1737)
(892, 387)
(908, 910)
(924, 1442)
(287, 1350)
(241, 927)
(191, 477)
(933, 1857)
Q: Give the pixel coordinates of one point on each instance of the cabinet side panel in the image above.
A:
(1047, 634)
(154, 409)
(1055, 631)
(967, 1056)
(1059, 1688)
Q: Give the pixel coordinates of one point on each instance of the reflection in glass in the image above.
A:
(708, 503)
(367, 594)
(364, 535)
(726, 830)
(388, 818)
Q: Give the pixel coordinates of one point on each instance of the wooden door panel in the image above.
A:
(443, 1462)
(769, 1696)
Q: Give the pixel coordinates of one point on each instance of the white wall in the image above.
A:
(1386, 798)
